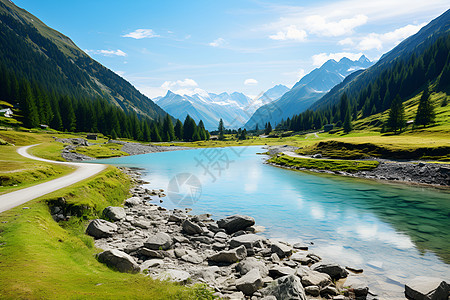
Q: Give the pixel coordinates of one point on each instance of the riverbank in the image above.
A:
(78, 149)
(44, 259)
(225, 254)
(424, 173)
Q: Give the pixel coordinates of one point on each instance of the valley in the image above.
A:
(300, 153)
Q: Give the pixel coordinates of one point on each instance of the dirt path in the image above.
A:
(16, 198)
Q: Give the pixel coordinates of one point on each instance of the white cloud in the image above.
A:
(376, 41)
(217, 42)
(120, 73)
(250, 81)
(290, 33)
(117, 52)
(319, 25)
(189, 83)
(347, 41)
(141, 34)
(300, 74)
(320, 58)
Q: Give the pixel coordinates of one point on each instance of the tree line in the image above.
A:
(86, 114)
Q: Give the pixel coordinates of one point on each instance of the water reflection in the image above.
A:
(392, 231)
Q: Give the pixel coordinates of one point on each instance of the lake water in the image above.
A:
(394, 232)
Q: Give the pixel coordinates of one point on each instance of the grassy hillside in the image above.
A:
(41, 259)
(17, 172)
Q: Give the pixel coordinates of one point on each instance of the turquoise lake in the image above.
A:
(393, 231)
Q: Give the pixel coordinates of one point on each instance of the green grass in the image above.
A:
(102, 150)
(18, 172)
(350, 166)
(42, 260)
(48, 150)
(405, 148)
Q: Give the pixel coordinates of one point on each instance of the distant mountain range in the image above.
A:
(235, 109)
(44, 56)
(305, 92)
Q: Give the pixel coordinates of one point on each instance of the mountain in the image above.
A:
(50, 59)
(419, 63)
(305, 92)
(235, 108)
(410, 48)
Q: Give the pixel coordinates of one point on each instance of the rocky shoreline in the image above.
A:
(405, 172)
(227, 254)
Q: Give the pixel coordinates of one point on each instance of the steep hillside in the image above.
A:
(305, 92)
(50, 59)
(410, 48)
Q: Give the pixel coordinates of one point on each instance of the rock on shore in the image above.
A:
(226, 255)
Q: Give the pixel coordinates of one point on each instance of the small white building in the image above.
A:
(7, 112)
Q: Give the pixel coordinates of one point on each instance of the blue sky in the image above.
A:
(247, 46)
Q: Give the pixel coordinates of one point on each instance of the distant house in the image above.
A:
(92, 136)
(7, 112)
(43, 126)
(327, 127)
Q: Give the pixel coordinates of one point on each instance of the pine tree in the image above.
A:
(425, 112)
(268, 129)
(343, 106)
(113, 134)
(67, 114)
(155, 136)
(178, 130)
(168, 129)
(201, 130)
(396, 119)
(347, 122)
(189, 129)
(243, 135)
(28, 106)
(196, 135)
(221, 130)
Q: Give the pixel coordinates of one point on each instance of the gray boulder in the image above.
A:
(191, 228)
(329, 291)
(192, 257)
(174, 276)
(334, 270)
(99, 228)
(151, 253)
(281, 250)
(230, 256)
(221, 237)
(312, 290)
(287, 287)
(235, 223)
(251, 263)
(248, 240)
(301, 258)
(133, 201)
(278, 271)
(250, 282)
(118, 260)
(316, 278)
(357, 285)
(114, 213)
(177, 217)
(427, 288)
(159, 241)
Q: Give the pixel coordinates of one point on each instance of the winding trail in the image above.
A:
(16, 198)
